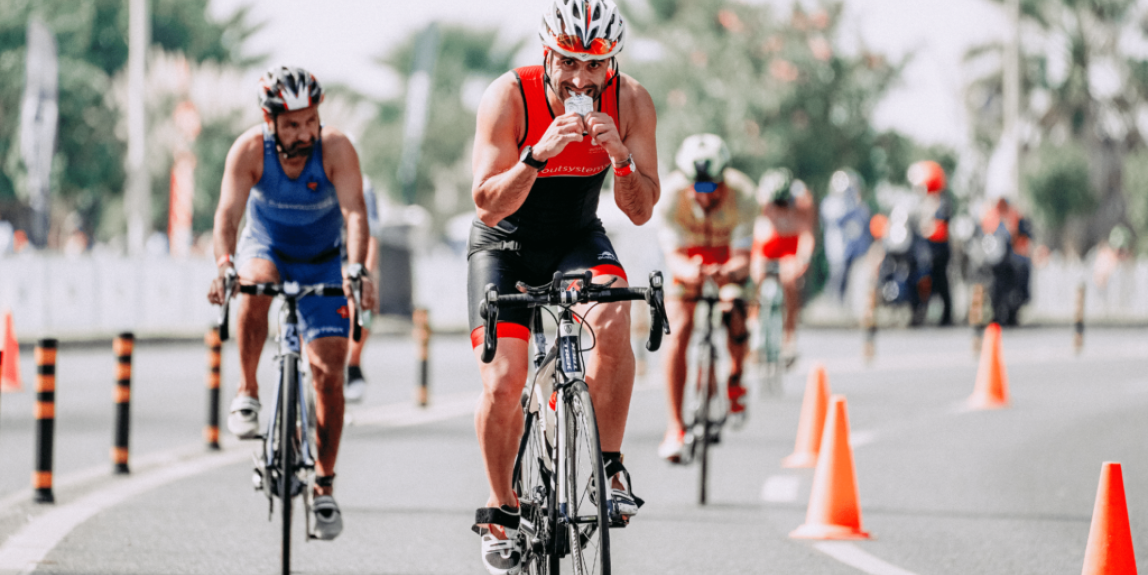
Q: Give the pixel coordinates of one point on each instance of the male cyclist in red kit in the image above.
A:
(539, 164)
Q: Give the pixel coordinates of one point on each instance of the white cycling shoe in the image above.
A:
(243, 421)
(500, 556)
(356, 385)
(671, 447)
(326, 519)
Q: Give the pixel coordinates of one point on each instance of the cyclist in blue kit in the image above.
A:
(298, 182)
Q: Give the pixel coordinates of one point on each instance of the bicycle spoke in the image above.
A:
(587, 507)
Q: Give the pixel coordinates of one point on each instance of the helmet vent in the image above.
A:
(597, 12)
(577, 12)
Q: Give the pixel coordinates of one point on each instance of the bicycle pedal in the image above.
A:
(259, 437)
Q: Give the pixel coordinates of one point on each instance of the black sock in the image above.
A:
(354, 372)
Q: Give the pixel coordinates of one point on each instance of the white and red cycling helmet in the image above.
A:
(286, 89)
(583, 29)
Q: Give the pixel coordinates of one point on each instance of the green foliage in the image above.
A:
(1136, 189)
(1058, 184)
(777, 89)
(91, 37)
(464, 54)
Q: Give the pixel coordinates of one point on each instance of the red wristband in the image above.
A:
(625, 170)
(224, 259)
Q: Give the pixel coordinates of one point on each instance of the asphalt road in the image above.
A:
(943, 490)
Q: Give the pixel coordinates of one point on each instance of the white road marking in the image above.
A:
(853, 556)
(780, 488)
(862, 438)
(86, 476)
(25, 549)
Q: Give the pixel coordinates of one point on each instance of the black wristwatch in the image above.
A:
(528, 159)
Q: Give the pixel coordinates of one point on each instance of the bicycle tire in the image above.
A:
(289, 385)
(706, 389)
(582, 452)
(536, 499)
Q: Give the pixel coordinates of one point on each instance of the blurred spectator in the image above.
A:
(935, 210)
(75, 244)
(19, 241)
(1109, 255)
(845, 222)
(1011, 277)
(7, 239)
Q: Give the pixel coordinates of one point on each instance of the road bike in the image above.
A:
(705, 408)
(286, 462)
(559, 475)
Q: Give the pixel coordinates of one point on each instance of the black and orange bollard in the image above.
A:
(214, 348)
(869, 326)
(977, 315)
(122, 346)
(421, 333)
(1078, 320)
(45, 413)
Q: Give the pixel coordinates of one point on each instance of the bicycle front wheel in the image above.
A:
(534, 484)
(585, 486)
(287, 422)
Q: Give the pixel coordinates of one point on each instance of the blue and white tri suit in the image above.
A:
(297, 225)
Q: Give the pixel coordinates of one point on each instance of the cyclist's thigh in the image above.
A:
(503, 269)
(320, 317)
(594, 252)
(256, 263)
(680, 312)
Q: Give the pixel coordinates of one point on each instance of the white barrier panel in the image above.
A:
(85, 297)
(81, 297)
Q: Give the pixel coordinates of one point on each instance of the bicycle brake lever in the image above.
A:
(229, 281)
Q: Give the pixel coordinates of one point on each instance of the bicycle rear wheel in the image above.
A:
(586, 516)
(290, 399)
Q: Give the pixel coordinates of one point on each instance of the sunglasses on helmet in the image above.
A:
(705, 187)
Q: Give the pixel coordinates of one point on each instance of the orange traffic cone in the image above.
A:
(834, 511)
(1109, 549)
(991, 391)
(10, 370)
(812, 420)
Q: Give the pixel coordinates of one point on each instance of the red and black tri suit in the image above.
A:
(556, 228)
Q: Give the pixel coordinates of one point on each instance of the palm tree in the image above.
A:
(468, 60)
(1082, 89)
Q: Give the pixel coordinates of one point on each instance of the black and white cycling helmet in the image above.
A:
(583, 29)
(703, 157)
(286, 89)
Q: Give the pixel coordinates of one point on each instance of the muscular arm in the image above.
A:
(637, 193)
(342, 165)
(241, 171)
(501, 182)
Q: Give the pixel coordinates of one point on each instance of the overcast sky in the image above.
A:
(337, 40)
